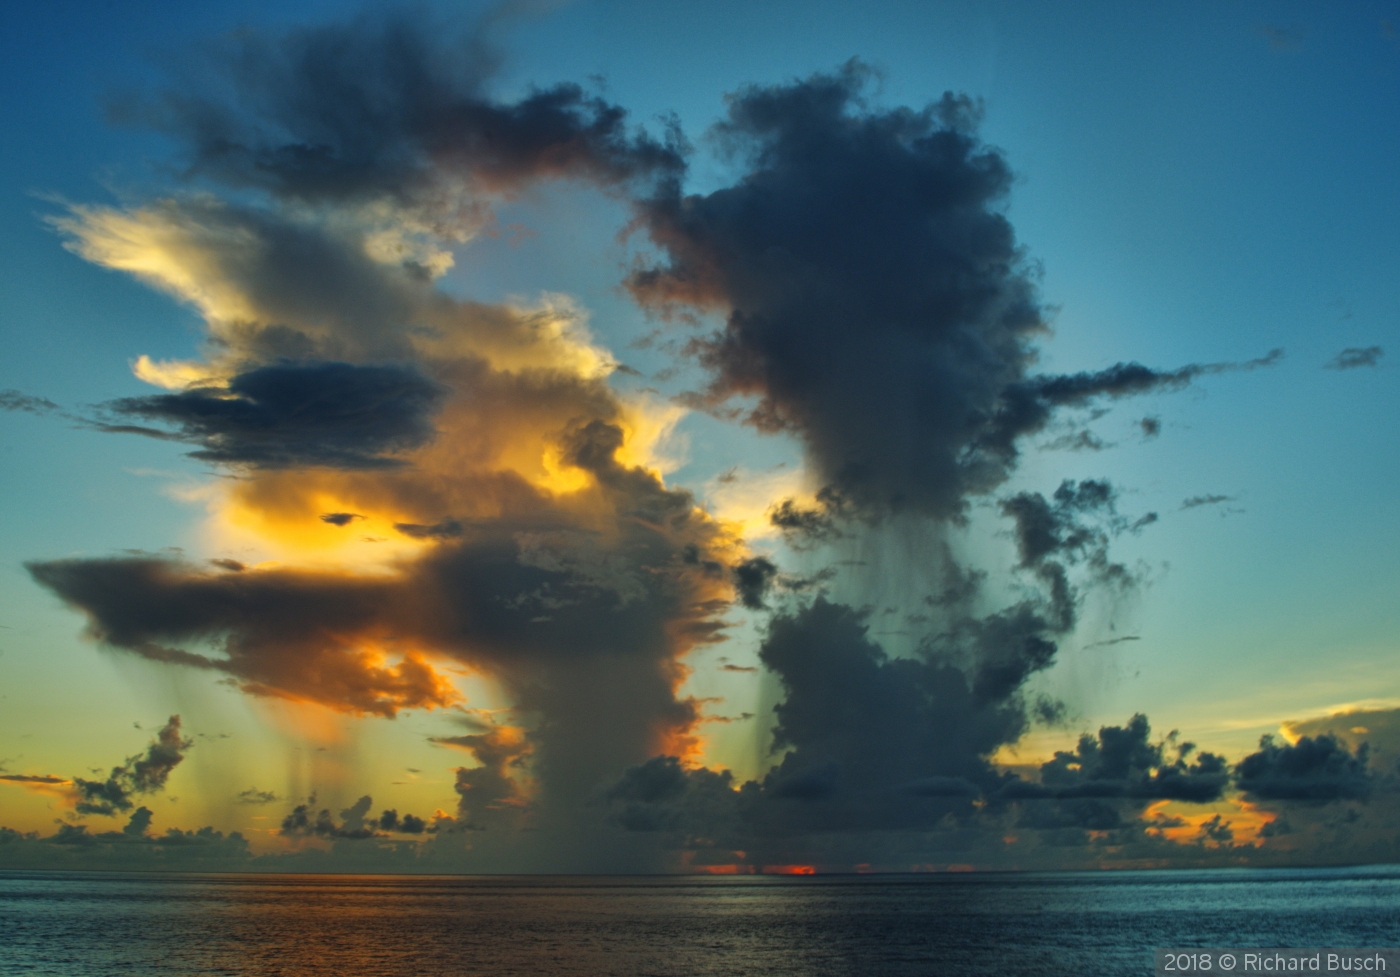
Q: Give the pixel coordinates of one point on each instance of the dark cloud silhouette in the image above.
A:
(17, 401)
(1123, 763)
(1353, 357)
(752, 578)
(1151, 426)
(254, 796)
(352, 826)
(408, 824)
(388, 108)
(294, 415)
(144, 773)
(340, 518)
(21, 778)
(877, 303)
(803, 525)
(133, 847)
(1313, 769)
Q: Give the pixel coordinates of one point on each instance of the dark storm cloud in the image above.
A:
(144, 773)
(1354, 357)
(295, 415)
(387, 107)
(878, 305)
(867, 742)
(1313, 769)
(15, 400)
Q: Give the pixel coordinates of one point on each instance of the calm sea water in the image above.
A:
(83, 925)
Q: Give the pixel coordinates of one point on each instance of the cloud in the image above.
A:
(876, 302)
(354, 824)
(1151, 427)
(14, 400)
(292, 415)
(254, 796)
(391, 111)
(876, 305)
(134, 847)
(1353, 357)
(141, 774)
(1313, 769)
(340, 518)
(1122, 762)
(491, 791)
(855, 728)
(752, 578)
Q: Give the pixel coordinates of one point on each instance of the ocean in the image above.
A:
(1100, 924)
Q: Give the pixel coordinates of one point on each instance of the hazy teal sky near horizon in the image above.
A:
(1198, 184)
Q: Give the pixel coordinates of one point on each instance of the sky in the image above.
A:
(635, 437)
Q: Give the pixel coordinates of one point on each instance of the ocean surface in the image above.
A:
(1105, 923)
